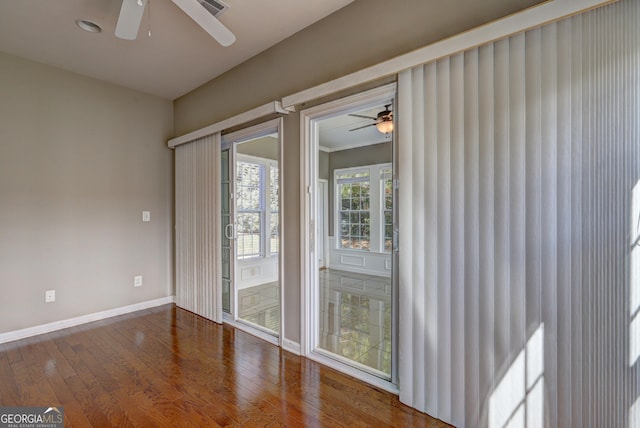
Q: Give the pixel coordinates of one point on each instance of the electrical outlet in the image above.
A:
(137, 281)
(146, 216)
(50, 296)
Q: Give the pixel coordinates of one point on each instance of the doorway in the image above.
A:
(350, 237)
(251, 230)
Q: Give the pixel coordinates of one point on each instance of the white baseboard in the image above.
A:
(291, 346)
(71, 322)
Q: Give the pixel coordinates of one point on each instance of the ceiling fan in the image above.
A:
(383, 120)
(204, 12)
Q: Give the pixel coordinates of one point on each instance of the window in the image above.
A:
(250, 185)
(364, 208)
(354, 215)
(257, 182)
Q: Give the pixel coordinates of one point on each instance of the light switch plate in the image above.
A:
(50, 296)
(146, 215)
(137, 281)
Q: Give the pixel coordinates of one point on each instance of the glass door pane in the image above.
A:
(355, 299)
(227, 231)
(251, 229)
(257, 207)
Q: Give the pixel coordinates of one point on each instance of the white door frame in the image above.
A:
(308, 230)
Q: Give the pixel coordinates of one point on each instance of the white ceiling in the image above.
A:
(335, 132)
(177, 58)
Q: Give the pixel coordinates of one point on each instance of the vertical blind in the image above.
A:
(520, 224)
(198, 227)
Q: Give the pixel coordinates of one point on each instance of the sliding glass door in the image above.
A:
(350, 264)
(251, 223)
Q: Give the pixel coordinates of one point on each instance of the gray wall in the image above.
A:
(353, 38)
(323, 165)
(79, 162)
(266, 148)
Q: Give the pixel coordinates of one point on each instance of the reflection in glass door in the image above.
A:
(251, 223)
(355, 291)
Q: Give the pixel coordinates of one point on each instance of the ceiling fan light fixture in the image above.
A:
(385, 126)
(88, 26)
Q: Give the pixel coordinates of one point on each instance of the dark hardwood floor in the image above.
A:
(168, 367)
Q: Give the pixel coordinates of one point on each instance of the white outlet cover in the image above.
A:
(50, 296)
(146, 215)
(137, 281)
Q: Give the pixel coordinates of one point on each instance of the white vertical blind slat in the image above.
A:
(576, 223)
(442, 203)
(518, 163)
(470, 213)
(517, 191)
(429, 273)
(549, 204)
(564, 168)
(485, 255)
(501, 203)
(407, 349)
(457, 262)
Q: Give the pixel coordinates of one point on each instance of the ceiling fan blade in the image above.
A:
(364, 117)
(208, 22)
(129, 20)
(366, 126)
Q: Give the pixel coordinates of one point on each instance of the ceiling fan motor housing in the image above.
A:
(385, 116)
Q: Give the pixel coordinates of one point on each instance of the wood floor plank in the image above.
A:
(168, 367)
(9, 391)
(63, 368)
(74, 412)
(83, 395)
